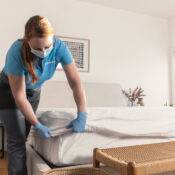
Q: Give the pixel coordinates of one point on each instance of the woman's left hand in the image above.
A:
(78, 124)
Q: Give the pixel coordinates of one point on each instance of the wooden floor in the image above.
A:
(4, 165)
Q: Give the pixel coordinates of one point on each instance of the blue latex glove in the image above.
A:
(79, 123)
(42, 130)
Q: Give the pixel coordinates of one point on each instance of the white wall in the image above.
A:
(172, 57)
(126, 47)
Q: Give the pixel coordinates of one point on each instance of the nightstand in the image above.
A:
(2, 141)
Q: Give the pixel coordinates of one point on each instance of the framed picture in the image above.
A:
(80, 50)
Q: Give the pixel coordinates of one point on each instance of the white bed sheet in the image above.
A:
(128, 126)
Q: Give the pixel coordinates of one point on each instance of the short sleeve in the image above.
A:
(14, 63)
(66, 56)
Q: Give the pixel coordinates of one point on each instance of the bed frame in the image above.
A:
(59, 94)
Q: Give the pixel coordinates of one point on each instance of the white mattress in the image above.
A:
(113, 127)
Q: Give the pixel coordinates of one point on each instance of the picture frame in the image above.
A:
(80, 50)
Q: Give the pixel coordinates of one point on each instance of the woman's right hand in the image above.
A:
(42, 130)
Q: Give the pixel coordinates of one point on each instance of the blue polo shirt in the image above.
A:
(44, 68)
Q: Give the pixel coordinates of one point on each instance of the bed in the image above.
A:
(103, 99)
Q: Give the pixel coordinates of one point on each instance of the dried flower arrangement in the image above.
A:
(136, 94)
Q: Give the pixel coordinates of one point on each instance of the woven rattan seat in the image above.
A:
(138, 159)
(77, 171)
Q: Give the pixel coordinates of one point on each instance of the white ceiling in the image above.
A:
(159, 8)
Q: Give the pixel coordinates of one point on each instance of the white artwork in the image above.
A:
(80, 50)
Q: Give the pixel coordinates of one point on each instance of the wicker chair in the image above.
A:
(76, 171)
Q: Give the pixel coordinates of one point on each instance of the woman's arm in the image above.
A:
(78, 124)
(17, 85)
(76, 86)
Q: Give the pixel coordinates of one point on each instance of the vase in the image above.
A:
(130, 103)
(140, 101)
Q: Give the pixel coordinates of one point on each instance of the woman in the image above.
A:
(29, 63)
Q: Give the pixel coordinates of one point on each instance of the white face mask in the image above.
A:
(42, 54)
